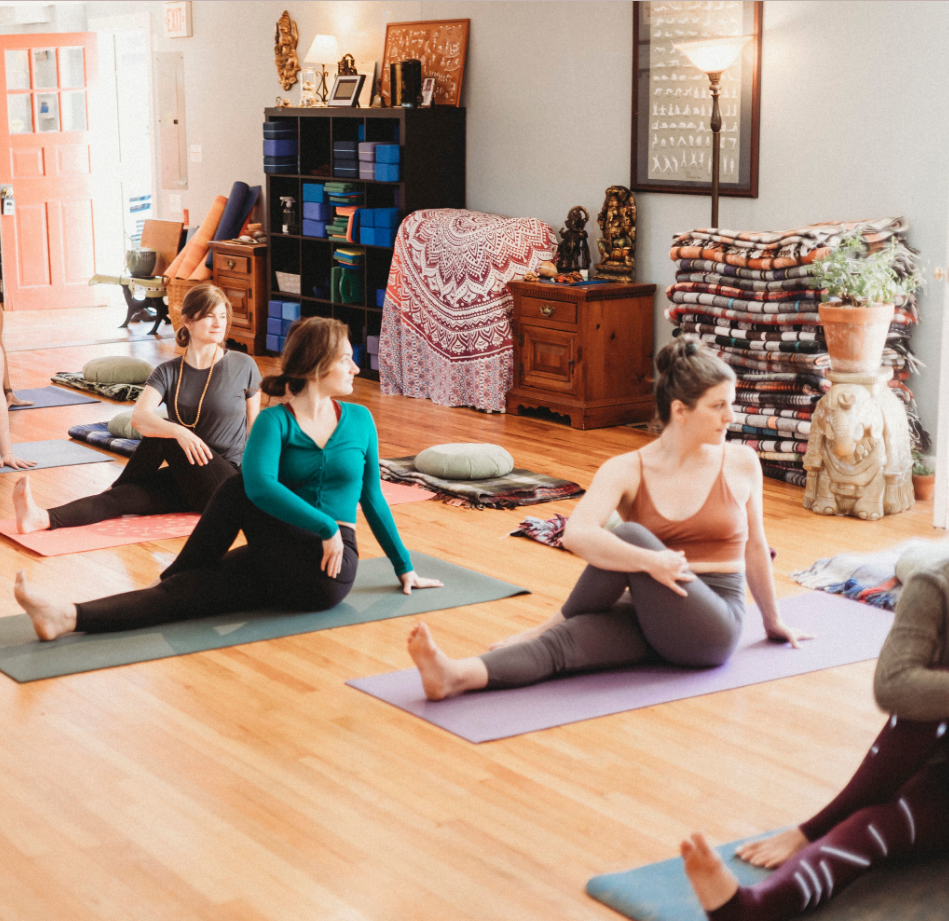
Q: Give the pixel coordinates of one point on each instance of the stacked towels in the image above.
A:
(751, 297)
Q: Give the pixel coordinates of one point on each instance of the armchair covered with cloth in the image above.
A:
(446, 323)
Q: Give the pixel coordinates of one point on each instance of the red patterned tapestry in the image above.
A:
(446, 324)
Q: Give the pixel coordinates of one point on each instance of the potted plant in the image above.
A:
(857, 307)
(924, 477)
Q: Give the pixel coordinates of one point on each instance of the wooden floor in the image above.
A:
(251, 783)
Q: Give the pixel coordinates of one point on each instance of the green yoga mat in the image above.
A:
(909, 891)
(375, 596)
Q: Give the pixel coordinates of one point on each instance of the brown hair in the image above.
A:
(312, 346)
(200, 301)
(686, 370)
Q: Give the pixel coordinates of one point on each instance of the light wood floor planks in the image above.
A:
(250, 784)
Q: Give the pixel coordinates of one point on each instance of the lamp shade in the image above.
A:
(324, 50)
(713, 55)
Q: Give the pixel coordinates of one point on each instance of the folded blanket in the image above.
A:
(757, 433)
(725, 313)
(786, 475)
(776, 346)
(97, 433)
(548, 532)
(806, 286)
(778, 387)
(788, 332)
(706, 286)
(756, 378)
(742, 360)
(761, 420)
(123, 393)
(519, 487)
(723, 268)
(788, 306)
(783, 400)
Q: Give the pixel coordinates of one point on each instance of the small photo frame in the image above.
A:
(345, 90)
(428, 91)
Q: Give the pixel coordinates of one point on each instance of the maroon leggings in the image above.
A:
(897, 804)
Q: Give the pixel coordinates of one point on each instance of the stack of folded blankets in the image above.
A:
(752, 298)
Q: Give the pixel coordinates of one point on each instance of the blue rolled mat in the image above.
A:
(239, 205)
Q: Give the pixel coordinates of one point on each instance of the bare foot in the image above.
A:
(29, 516)
(713, 882)
(50, 618)
(443, 677)
(14, 400)
(525, 636)
(774, 851)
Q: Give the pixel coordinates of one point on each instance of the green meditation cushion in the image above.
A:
(117, 369)
(465, 461)
(120, 426)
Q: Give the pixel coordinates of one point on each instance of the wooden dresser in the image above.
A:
(239, 270)
(583, 351)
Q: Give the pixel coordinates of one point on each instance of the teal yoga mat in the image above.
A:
(56, 453)
(375, 596)
(917, 891)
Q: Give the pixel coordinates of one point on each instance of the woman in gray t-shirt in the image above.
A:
(212, 397)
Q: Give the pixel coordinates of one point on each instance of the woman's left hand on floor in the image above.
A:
(412, 580)
(780, 632)
(17, 463)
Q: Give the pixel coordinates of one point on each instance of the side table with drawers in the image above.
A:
(583, 351)
(239, 270)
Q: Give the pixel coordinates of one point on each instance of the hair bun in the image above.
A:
(690, 349)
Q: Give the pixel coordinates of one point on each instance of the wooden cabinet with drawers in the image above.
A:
(240, 271)
(583, 351)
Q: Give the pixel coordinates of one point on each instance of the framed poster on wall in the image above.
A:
(672, 106)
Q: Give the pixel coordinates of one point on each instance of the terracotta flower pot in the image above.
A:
(856, 335)
(924, 487)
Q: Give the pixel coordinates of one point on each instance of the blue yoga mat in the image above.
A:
(239, 205)
(917, 891)
(57, 453)
(51, 396)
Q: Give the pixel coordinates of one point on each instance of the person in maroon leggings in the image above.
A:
(897, 803)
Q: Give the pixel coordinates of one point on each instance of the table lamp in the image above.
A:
(713, 56)
(313, 88)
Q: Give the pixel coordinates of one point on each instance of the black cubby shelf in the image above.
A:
(432, 171)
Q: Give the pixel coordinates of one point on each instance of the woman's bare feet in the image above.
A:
(29, 516)
(713, 882)
(774, 851)
(50, 618)
(443, 677)
(525, 636)
(14, 400)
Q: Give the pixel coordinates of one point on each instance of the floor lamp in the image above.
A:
(713, 56)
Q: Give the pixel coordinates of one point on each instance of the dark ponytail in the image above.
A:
(687, 369)
(312, 345)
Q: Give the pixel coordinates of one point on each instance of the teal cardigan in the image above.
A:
(289, 476)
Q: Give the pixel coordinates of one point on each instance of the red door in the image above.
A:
(47, 242)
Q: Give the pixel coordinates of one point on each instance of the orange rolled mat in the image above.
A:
(198, 248)
(172, 270)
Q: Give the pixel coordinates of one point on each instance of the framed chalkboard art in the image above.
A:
(672, 106)
(441, 46)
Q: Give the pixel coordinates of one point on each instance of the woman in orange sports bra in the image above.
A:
(684, 561)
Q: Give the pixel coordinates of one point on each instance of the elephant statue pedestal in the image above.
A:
(859, 458)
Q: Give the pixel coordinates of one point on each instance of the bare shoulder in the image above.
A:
(742, 470)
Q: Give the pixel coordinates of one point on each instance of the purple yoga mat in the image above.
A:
(847, 631)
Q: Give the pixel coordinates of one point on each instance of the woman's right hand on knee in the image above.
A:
(195, 449)
(669, 568)
(332, 555)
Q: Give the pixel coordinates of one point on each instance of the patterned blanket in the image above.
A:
(705, 285)
(519, 487)
(759, 380)
(97, 433)
(742, 303)
(723, 268)
(783, 400)
(547, 531)
(806, 286)
(794, 476)
(788, 332)
(446, 332)
(763, 444)
(123, 393)
(762, 420)
(726, 313)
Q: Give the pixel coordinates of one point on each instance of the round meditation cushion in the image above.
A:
(120, 426)
(117, 369)
(465, 461)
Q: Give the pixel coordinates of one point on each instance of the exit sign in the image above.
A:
(177, 15)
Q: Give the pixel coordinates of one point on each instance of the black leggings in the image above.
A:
(144, 489)
(279, 567)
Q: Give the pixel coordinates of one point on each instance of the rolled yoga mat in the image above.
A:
(56, 453)
(192, 266)
(375, 596)
(847, 632)
(908, 891)
(240, 203)
(43, 397)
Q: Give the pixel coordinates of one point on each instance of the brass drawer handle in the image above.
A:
(547, 310)
(230, 263)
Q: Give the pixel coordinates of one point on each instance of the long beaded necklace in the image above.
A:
(207, 383)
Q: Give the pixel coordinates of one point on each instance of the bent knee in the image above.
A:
(636, 534)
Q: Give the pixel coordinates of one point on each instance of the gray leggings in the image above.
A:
(602, 631)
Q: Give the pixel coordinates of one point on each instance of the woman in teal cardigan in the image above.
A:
(307, 464)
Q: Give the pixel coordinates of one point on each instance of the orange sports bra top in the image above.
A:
(716, 533)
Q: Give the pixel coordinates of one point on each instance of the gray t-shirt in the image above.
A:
(222, 425)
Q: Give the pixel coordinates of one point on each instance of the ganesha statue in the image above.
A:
(859, 458)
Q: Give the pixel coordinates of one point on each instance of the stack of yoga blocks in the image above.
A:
(280, 147)
(367, 159)
(378, 226)
(281, 315)
(345, 161)
(316, 210)
(388, 157)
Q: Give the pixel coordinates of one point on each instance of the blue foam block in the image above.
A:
(380, 297)
(313, 191)
(314, 229)
(367, 217)
(387, 172)
(288, 168)
(388, 153)
(316, 211)
(291, 310)
(345, 147)
(280, 161)
(359, 352)
(362, 132)
(280, 147)
(273, 343)
(350, 172)
(285, 327)
(386, 217)
(275, 309)
(274, 325)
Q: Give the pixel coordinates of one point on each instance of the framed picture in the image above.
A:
(345, 91)
(428, 91)
(439, 44)
(672, 106)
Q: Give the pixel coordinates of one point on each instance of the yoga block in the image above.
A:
(388, 153)
(362, 132)
(274, 326)
(345, 147)
(386, 217)
(380, 297)
(367, 156)
(374, 362)
(280, 148)
(319, 291)
(314, 228)
(316, 211)
(271, 170)
(273, 343)
(275, 309)
(372, 345)
(346, 171)
(367, 170)
(359, 353)
(367, 217)
(280, 161)
(367, 235)
(387, 172)
(313, 192)
(280, 130)
(285, 327)
(291, 310)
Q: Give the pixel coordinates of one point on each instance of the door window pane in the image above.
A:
(47, 112)
(44, 69)
(18, 69)
(20, 113)
(74, 111)
(71, 71)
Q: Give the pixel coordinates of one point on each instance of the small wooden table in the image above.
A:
(239, 270)
(583, 351)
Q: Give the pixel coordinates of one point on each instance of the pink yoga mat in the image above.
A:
(399, 493)
(847, 632)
